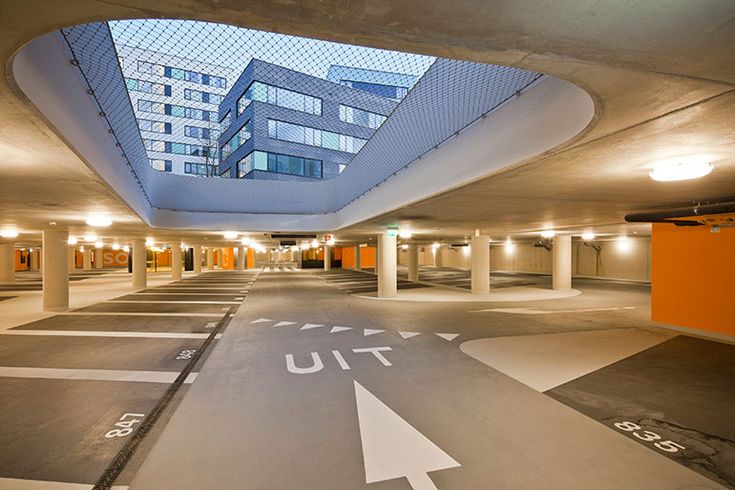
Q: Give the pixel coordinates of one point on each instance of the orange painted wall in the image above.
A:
(693, 277)
(228, 258)
(337, 254)
(367, 257)
(251, 258)
(114, 258)
(21, 266)
(348, 257)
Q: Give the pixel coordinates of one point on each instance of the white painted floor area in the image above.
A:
(549, 360)
(28, 305)
(446, 295)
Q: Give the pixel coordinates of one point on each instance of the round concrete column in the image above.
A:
(140, 275)
(357, 258)
(480, 266)
(387, 268)
(327, 257)
(55, 270)
(176, 261)
(241, 258)
(210, 258)
(562, 272)
(87, 260)
(438, 257)
(198, 259)
(98, 258)
(34, 259)
(413, 262)
(7, 260)
(72, 258)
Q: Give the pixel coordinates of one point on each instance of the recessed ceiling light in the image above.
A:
(314, 243)
(11, 233)
(99, 221)
(405, 234)
(245, 241)
(90, 238)
(404, 246)
(230, 235)
(149, 242)
(72, 240)
(680, 170)
(331, 242)
(99, 244)
(548, 233)
(588, 235)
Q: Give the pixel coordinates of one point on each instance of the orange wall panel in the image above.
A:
(251, 258)
(693, 277)
(114, 258)
(367, 257)
(228, 258)
(348, 257)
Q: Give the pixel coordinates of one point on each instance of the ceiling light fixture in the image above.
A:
(116, 246)
(624, 244)
(548, 234)
(314, 243)
(245, 241)
(331, 242)
(9, 233)
(99, 221)
(587, 236)
(680, 170)
(149, 242)
(405, 234)
(90, 238)
(230, 235)
(404, 246)
(126, 248)
(99, 244)
(72, 240)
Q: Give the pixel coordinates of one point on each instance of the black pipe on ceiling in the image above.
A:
(669, 215)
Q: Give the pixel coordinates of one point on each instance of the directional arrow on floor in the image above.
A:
(392, 448)
(448, 336)
(372, 331)
(408, 335)
(262, 320)
(284, 324)
(307, 326)
(339, 329)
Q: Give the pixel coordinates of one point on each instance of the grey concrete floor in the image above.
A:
(291, 399)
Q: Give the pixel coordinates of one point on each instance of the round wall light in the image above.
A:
(587, 236)
(680, 170)
(548, 234)
(11, 233)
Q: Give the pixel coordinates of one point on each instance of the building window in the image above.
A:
(361, 117)
(181, 74)
(154, 126)
(177, 148)
(200, 96)
(197, 132)
(162, 165)
(237, 140)
(227, 173)
(147, 87)
(225, 122)
(278, 163)
(281, 97)
(389, 91)
(201, 169)
(314, 137)
(174, 110)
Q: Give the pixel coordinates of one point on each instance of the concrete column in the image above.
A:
(210, 258)
(387, 269)
(438, 262)
(72, 258)
(327, 257)
(241, 258)
(357, 258)
(55, 270)
(140, 275)
(480, 265)
(87, 260)
(98, 258)
(7, 260)
(175, 261)
(198, 259)
(562, 272)
(34, 259)
(413, 262)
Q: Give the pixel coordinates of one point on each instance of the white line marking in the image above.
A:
(408, 335)
(392, 448)
(284, 324)
(180, 294)
(448, 336)
(534, 311)
(262, 320)
(22, 484)
(341, 360)
(307, 326)
(103, 333)
(176, 302)
(240, 298)
(123, 313)
(339, 329)
(371, 331)
(94, 374)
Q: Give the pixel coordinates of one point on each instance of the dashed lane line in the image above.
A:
(94, 374)
(104, 333)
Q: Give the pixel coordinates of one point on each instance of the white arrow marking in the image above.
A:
(262, 320)
(240, 298)
(371, 331)
(533, 311)
(339, 329)
(408, 335)
(284, 324)
(307, 326)
(392, 448)
(448, 336)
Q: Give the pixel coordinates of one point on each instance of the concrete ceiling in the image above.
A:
(662, 78)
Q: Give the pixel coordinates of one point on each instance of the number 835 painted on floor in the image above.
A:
(648, 436)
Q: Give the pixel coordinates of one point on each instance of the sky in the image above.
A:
(234, 47)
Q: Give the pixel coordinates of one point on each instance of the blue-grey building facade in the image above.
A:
(280, 124)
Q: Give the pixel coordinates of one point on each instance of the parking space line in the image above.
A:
(136, 313)
(94, 374)
(104, 333)
(184, 294)
(184, 302)
(22, 484)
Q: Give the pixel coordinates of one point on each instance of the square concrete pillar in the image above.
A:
(480, 265)
(387, 266)
(198, 259)
(7, 260)
(562, 271)
(413, 262)
(327, 257)
(358, 266)
(176, 261)
(55, 270)
(140, 274)
(241, 258)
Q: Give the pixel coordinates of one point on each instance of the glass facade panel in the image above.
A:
(314, 137)
(360, 117)
(154, 126)
(162, 165)
(278, 163)
(201, 169)
(281, 97)
(237, 140)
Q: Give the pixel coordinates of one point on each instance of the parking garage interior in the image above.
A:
(516, 273)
